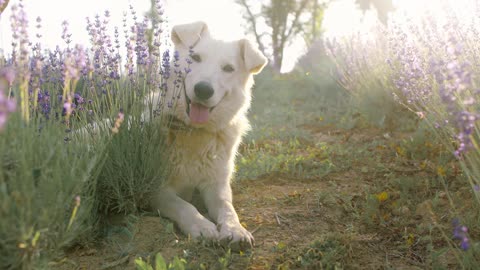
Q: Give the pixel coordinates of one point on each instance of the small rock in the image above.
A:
(424, 210)
(401, 211)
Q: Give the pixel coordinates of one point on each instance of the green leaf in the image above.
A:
(141, 265)
(169, 228)
(178, 264)
(160, 263)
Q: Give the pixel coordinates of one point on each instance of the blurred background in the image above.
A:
(284, 29)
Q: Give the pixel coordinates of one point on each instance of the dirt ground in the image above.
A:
(297, 224)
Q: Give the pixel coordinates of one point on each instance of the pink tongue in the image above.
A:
(198, 113)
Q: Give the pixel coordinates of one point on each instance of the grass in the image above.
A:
(295, 100)
(284, 157)
(36, 165)
(414, 178)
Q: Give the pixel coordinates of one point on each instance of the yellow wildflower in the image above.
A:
(400, 151)
(410, 239)
(381, 197)
(441, 171)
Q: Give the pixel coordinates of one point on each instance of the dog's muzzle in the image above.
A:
(196, 110)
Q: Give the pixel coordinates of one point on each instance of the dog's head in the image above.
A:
(218, 86)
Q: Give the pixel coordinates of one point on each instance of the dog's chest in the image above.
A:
(199, 158)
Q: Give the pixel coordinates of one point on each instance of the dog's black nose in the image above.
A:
(203, 90)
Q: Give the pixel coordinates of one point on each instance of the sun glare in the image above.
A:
(54, 12)
(464, 10)
(224, 18)
(343, 18)
(420, 7)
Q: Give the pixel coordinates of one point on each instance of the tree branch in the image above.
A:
(3, 6)
(251, 19)
(295, 25)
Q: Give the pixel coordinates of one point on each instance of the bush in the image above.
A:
(73, 143)
(41, 180)
(428, 67)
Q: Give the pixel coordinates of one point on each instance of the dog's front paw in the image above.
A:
(235, 237)
(205, 229)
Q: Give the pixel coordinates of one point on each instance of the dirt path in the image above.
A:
(297, 223)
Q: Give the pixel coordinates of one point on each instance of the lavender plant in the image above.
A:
(47, 167)
(361, 67)
(429, 66)
(7, 105)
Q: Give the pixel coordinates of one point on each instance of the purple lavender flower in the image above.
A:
(7, 106)
(141, 43)
(7, 76)
(465, 244)
(48, 72)
(460, 232)
(176, 58)
(118, 121)
(43, 100)
(66, 36)
(38, 26)
(68, 107)
(454, 77)
(19, 26)
(78, 99)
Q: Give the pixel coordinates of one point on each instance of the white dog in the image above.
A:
(212, 109)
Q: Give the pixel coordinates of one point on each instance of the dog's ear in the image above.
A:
(189, 34)
(254, 60)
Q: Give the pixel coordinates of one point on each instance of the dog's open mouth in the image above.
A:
(198, 112)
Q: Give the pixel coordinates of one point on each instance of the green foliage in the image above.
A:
(40, 176)
(134, 167)
(60, 177)
(290, 158)
(56, 187)
(224, 261)
(323, 254)
(284, 105)
(160, 264)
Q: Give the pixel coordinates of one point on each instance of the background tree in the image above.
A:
(3, 5)
(276, 23)
(383, 7)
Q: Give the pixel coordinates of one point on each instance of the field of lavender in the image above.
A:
(371, 162)
(427, 67)
(56, 165)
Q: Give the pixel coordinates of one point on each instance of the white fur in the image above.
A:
(204, 154)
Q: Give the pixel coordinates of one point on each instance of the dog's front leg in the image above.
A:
(187, 217)
(218, 200)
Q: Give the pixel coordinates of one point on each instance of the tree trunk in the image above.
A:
(277, 58)
(314, 21)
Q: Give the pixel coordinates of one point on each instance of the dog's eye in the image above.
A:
(228, 68)
(196, 57)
